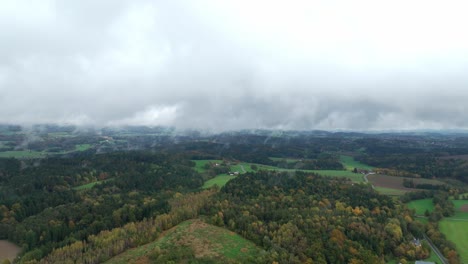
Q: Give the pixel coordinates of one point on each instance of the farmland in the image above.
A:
(388, 183)
(456, 228)
(350, 163)
(200, 164)
(420, 206)
(192, 241)
(457, 232)
(243, 167)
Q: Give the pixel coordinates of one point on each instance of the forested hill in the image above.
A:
(52, 202)
(305, 218)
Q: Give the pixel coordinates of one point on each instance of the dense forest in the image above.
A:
(127, 187)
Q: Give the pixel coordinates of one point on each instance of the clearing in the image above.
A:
(350, 163)
(219, 180)
(420, 206)
(192, 241)
(8, 250)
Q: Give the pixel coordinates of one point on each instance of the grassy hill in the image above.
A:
(192, 241)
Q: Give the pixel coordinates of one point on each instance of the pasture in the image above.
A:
(457, 232)
(420, 206)
(192, 241)
(243, 167)
(219, 180)
(200, 164)
(82, 147)
(350, 163)
(389, 191)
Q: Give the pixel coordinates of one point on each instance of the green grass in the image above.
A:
(458, 213)
(457, 232)
(21, 154)
(355, 177)
(349, 163)
(219, 180)
(200, 164)
(82, 147)
(389, 191)
(420, 206)
(222, 179)
(204, 240)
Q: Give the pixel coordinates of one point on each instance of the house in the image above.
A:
(416, 242)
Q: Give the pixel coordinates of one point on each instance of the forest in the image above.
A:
(127, 189)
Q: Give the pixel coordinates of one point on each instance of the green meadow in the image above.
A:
(420, 206)
(350, 163)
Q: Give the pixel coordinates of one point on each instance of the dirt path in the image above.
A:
(8, 250)
(366, 180)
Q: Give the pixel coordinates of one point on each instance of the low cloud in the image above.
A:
(235, 65)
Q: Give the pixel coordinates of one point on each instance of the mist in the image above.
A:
(230, 65)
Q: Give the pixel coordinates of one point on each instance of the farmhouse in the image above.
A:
(417, 242)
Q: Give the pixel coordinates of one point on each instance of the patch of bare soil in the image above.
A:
(8, 250)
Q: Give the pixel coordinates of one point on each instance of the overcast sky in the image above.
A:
(226, 65)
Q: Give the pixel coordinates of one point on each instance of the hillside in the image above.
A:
(192, 241)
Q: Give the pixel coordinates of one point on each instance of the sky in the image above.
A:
(235, 64)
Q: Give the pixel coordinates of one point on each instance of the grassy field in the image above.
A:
(222, 179)
(389, 191)
(194, 240)
(200, 164)
(455, 229)
(420, 206)
(458, 212)
(457, 232)
(22, 154)
(82, 147)
(219, 180)
(349, 163)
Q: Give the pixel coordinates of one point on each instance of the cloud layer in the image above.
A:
(223, 65)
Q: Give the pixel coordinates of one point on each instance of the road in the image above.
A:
(436, 250)
(366, 180)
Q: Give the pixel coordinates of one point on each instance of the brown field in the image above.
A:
(394, 182)
(8, 250)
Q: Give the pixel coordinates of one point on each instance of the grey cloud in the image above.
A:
(213, 66)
